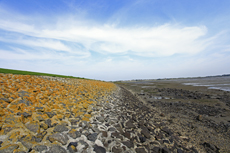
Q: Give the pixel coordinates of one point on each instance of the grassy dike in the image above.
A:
(2, 70)
(33, 108)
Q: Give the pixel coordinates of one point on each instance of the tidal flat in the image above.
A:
(197, 109)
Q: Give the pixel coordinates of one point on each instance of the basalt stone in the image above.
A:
(142, 139)
(34, 127)
(92, 137)
(166, 130)
(60, 128)
(179, 151)
(145, 131)
(111, 129)
(74, 121)
(5, 99)
(40, 148)
(84, 144)
(127, 134)
(56, 149)
(129, 144)
(116, 150)
(100, 119)
(48, 122)
(209, 146)
(166, 141)
(156, 150)
(165, 150)
(83, 124)
(9, 149)
(28, 103)
(25, 114)
(74, 134)
(116, 135)
(50, 114)
(104, 134)
(99, 149)
(129, 125)
(72, 147)
(140, 150)
(62, 138)
(44, 126)
(39, 109)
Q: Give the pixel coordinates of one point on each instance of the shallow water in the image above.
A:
(221, 83)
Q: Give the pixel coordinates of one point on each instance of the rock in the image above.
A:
(116, 150)
(28, 141)
(83, 124)
(60, 128)
(128, 144)
(104, 134)
(126, 134)
(92, 137)
(112, 129)
(41, 135)
(74, 134)
(24, 101)
(72, 147)
(129, 125)
(44, 126)
(209, 146)
(100, 119)
(83, 144)
(179, 151)
(5, 99)
(34, 127)
(99, 149)
(165, 150)
(166, 141)
(74, 121)
(39, 109)
(166, 130)
(140, 150)
(56, 149)
(50, 114)
(40, 148)
(25, 114)
(145, 131)
(9, 148)
(199, 118)
(48, 122)
(62, 138)
(142, 139)
(156, 150)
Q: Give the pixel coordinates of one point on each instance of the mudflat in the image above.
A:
(199, 115)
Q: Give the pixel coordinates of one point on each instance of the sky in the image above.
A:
(116, 39)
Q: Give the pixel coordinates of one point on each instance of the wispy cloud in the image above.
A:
(164, 40)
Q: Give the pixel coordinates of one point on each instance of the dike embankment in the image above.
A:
(50, 114)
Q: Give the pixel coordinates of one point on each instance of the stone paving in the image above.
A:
(55, 115)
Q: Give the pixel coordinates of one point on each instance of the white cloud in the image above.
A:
(164, 40)
(35, 42)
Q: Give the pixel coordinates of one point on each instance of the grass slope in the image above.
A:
(2, 70)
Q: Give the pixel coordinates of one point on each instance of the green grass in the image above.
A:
(2, 70)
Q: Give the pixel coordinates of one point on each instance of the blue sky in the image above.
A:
(116, 39)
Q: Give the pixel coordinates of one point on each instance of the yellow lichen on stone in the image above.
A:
(28, 101)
